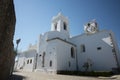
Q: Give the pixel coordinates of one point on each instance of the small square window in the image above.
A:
(99, 48)
(40, 55)
(82, 47)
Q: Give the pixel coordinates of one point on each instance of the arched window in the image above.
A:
(43, 60)
(65, 26)
(72, 52)
(50, 63)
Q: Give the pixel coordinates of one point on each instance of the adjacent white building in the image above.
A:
(94, 50)
(27, 59)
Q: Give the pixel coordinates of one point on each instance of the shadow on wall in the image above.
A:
(16, 77)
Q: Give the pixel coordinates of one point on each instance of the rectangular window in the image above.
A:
(30, 61)
(50, 64)
(99, 48)
(82, 47)
(72, 52)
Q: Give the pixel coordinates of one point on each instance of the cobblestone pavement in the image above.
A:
(45, 76)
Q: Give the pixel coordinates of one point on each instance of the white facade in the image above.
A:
(57, 51)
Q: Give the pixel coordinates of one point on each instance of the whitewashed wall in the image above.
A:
(63, 52)
(102, 60)
(30, 55)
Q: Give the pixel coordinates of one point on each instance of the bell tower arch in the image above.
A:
(60, 24)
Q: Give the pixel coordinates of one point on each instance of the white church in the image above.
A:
(56, 51)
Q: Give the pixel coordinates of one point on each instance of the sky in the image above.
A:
(33, 17)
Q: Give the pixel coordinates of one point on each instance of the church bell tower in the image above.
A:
(60, 24)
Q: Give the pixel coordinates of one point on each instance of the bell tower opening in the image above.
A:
(65, 26)
(60, 24)
(55, 26)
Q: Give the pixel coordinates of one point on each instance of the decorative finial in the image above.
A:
(59, 13)
(91, 27)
